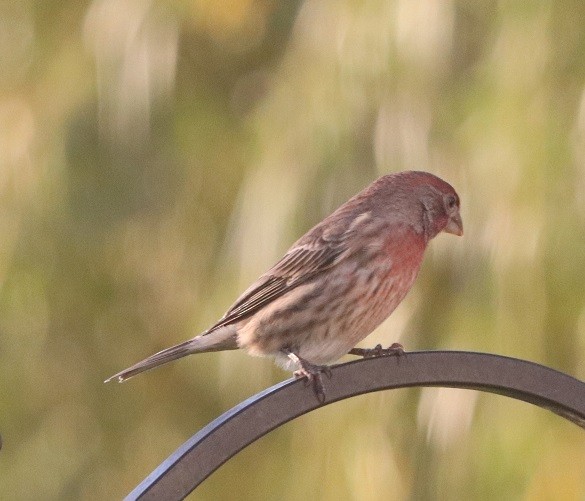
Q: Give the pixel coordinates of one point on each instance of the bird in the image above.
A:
(335, 284)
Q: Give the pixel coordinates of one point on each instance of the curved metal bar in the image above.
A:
(224, 437)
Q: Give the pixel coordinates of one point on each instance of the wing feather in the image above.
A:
(303, 261)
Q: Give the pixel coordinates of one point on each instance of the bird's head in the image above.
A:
(421, 200)
(439, 206)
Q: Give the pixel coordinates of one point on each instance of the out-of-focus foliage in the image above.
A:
(155, 157)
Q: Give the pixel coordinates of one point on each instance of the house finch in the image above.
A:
(336, 284)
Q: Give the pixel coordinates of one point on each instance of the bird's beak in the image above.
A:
(454, 225)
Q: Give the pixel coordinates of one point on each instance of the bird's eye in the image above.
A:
(451, 202)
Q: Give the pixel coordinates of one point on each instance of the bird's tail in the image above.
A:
(223, 338)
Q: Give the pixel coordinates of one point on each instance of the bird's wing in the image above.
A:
(312, 254)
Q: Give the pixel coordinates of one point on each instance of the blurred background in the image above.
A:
(157, 156)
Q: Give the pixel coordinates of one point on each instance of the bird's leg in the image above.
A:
(395, 349)
(311, 372)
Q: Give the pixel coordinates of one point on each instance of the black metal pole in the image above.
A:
(208, 449)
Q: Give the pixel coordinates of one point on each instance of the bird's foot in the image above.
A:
(312, 374)
(395, 349)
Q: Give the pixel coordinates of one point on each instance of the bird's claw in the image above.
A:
(312, 374)
(395, 349)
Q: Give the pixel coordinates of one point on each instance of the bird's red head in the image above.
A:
(419, 199)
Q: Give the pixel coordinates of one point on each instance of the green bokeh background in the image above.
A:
(155, 157)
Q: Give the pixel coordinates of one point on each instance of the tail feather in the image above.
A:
(221, 339)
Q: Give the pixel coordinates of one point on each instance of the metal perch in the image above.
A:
(221, 439)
